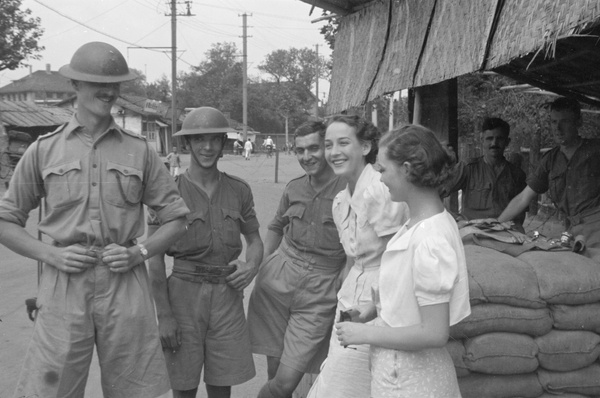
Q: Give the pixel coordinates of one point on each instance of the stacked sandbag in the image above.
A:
(534, 328)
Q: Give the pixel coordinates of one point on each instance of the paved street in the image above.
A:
(18, 275)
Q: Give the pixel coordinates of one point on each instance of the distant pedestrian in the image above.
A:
(174, 162)
(247, 149)
(269, 145)
(237, 147)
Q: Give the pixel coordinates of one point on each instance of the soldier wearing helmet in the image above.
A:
(200, 307)
(94, 178)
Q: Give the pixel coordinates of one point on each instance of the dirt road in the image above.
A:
(18, 275)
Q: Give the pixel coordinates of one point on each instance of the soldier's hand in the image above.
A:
(74, 259)
(242, 276)
(119, 258)
(363, 313)
(170, 333)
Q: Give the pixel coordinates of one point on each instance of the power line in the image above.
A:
(88, 26)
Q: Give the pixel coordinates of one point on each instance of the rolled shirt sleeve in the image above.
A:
(25, 190)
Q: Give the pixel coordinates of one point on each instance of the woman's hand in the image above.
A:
(351, 333)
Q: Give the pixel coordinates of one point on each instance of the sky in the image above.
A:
(272, 25)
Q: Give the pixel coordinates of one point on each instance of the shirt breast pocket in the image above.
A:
(479, 197)
(232, 220)
(124, 186)
(64, 184)
(294, 214)
(197, 238)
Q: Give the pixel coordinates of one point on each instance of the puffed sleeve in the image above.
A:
(382, 213)
(436, 271)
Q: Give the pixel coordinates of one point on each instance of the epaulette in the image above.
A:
(297, 178)
(132, 134)
(52, 133)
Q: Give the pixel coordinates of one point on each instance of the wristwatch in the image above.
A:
(143, 251)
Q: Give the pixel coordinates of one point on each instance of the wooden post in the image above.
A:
(276, 165)
(534, 160)
(436, 107)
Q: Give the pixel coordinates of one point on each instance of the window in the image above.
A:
(150, 130)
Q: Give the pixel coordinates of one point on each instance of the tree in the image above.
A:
(298, 66)
(135, 87)
(19, 35)
(216, 82)
(330, 30)
(159, 90)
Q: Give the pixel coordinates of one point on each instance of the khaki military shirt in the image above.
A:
(94, 191)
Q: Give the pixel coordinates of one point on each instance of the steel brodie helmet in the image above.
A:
(98, 62)
(204, 120)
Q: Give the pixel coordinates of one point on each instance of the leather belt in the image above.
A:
(192, 271)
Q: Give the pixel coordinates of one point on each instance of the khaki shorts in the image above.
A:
(115, 312)
(291, 311)
(214, 335)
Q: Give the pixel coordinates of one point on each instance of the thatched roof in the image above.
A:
(388, 45)
(340, 7)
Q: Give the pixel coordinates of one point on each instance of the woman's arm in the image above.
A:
(432, 332)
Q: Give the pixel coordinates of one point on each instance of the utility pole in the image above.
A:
(173, 15)
(318, 70)
(245, 78)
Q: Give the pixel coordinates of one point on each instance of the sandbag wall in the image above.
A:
(534, 328)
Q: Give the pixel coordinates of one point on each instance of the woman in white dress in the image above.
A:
(423, 285)
(366, 218)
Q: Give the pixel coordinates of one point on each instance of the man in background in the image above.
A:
(570, 173)
(174, 162)
(247, 149)
(488, 182)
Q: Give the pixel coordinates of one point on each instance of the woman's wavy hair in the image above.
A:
(430, 162)
(365, 131)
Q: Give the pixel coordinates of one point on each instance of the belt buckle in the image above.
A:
(98, 254)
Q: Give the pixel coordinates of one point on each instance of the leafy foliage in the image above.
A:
(216, 82)
(480, 96)
(135, 87)
(19, 35)
(296, 65)
(330, 30)
(159, 90)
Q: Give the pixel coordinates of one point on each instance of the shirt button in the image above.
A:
(94, 184)
(94, 166)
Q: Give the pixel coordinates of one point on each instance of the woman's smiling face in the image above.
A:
(344, 152)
